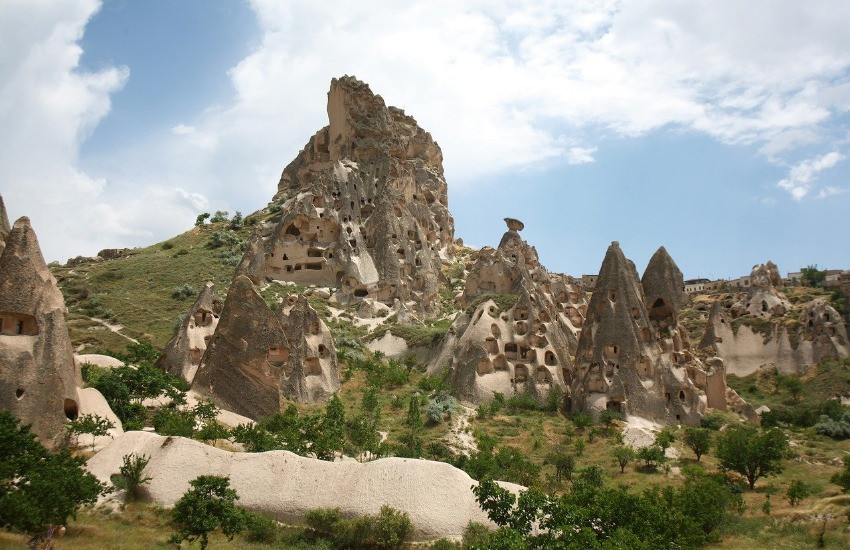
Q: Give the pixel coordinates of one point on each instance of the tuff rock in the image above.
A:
(38, 378)
(363, 208)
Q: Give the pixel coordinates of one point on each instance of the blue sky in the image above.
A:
(716, 129)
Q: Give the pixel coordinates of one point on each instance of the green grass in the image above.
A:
(137, 288)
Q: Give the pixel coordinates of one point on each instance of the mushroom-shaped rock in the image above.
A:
(514, 224)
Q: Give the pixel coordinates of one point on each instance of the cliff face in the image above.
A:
(364, 208)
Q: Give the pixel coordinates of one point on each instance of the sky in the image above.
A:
(718, 129)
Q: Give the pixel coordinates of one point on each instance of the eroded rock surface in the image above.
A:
(633, 356)
(258, 358)
(521, 327)
(38, 377)
(364, 207)
(182, 354)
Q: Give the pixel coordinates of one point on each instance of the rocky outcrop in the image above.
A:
(363, 208)
(38, 378)
(246, 356)
(258, 357)
(182, 354)
(764, 298)
(5, 228)
(436, 496)
(312, 372)
(749, 342)
(519, 328)
(632, 358)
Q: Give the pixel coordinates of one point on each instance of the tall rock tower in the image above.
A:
(364, 208)
(631, 357)
(38, 379)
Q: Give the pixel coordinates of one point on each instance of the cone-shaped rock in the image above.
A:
(5, 228)
(182, 354)
(363, 207)
(520, 327)
(246, 357)
(38, 379)
(312, 372)
(663, 287)
(624, 362)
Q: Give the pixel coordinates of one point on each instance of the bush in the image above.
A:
(210, 504)
(220, 216)
(223, 238)
(174, 422)
(167, 245)
(236, 222)
(91, 424)
(387, 531)
(842, 478)
(582, 420)
(261, 528)
(797, 491)
(439, 407)
(183, 292)
(476, 536)
(130, 476)
(839, 429)
(712, 421)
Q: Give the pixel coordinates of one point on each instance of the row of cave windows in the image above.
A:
(485, 366)
(18, 324)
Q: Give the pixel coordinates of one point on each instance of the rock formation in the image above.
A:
(5, 228)
(258, 357)
(182, 354)
(520, 327)
(363, 207)
(38, 379)
(436, 496)
(312, 372)
(764, 298)
(632, 358)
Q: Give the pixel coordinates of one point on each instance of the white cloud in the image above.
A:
(830, 191)
(802, 176)
(496, 83)
(580, 155)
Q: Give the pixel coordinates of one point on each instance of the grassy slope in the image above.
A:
(138, 287)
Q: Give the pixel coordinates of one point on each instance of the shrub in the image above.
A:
(183, 292)
(387, 531)
(220, 216)
(842, 478)
(181, 252)
(210, 504)
(261, 528)
(582, 420)
(652, 456)
(223, 238)
(91, 424)
(236, 222)
(439, 407)
(167, 245)
(797, 491)
(476, 536)
(836, 429)
(174, 422)
(130, 476)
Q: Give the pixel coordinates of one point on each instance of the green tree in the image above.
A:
(623, 454)
(209, 505)
(797, 491)
(91, 424)
(331, 434)
(199, 221)
(792, 385)
(665, 438)
(220, 216)
(564, 463)
(842, 478)
(698, 440)
(812, 276)
(582, 421)
(131, 476)
(39, 490)
(752, 452)
(652, 456)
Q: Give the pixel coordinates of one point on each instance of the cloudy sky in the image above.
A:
(718, 129)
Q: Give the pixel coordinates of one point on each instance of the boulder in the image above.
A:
(436, 496)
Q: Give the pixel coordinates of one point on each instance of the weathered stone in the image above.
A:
(525, 347)
(38, 378)
(258, 358)
(312, 372)
(182, 354)
(246, 357)
(5, 228)
(364, 208)
(632, 359)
